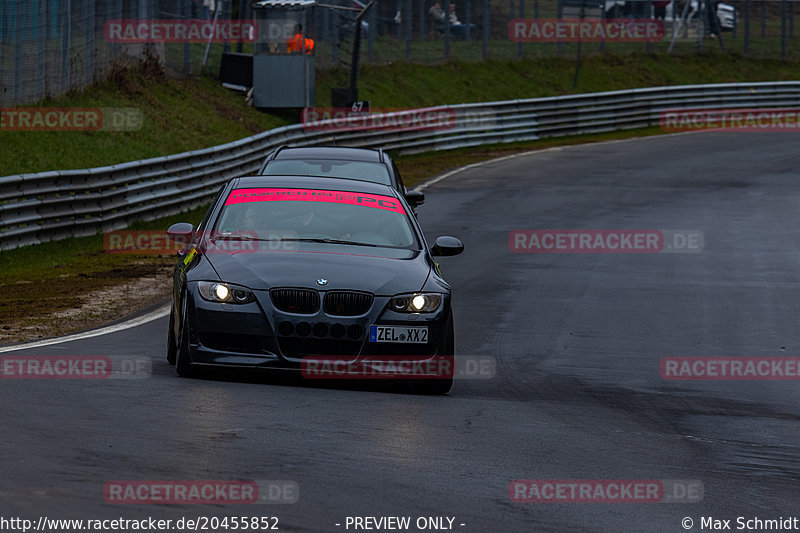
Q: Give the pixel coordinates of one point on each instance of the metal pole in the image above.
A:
(446, 9)
(580, 42)
(676, 28)
(783, 29)
(486, 26)
(701, 30)
(337, 21)
(407, 21)
(240, 44)
(118, 14)
(763, 18)
(522, 16)
(422, 21)
(187, 47)
(603, 21)
(210, 39)
(373, 29)
(560, 45)
(352, 93)
(747, 26)
(65, 51)
(228, 6)
(399, 27)
(468, 21)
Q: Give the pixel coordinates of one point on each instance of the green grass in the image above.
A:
(179, 115)
(405, 84)
(192, 113)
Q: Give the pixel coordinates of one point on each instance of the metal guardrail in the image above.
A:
(54, 205)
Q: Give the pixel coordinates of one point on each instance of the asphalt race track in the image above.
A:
(577, 339)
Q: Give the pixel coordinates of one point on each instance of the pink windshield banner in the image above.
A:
(377, 201)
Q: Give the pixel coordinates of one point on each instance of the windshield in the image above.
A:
(312, 215)
(358, 170)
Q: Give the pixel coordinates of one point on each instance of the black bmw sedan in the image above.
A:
(299, 273)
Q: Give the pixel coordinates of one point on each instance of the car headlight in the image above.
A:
(418, 302)
(214, 291)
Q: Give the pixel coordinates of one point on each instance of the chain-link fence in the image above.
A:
(48, 47)
(509, 29)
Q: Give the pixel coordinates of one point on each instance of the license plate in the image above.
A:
(399, 334)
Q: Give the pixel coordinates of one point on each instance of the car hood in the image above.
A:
(355, 269)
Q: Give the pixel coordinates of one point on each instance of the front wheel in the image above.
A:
(172, 347)
(183, 364)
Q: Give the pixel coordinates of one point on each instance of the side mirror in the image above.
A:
(445, 246)
(181, 233)
(415, 198)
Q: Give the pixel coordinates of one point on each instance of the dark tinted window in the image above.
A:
(358, 170)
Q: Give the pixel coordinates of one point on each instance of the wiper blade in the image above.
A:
(239, 237)
(332, 241)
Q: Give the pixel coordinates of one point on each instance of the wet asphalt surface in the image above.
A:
(577, 340)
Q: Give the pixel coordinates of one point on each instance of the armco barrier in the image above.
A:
(57, 204)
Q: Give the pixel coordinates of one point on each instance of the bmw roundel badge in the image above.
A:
(322, 282)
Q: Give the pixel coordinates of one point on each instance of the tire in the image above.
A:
(183, 364)
(172, 347)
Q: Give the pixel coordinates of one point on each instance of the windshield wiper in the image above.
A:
(239, 237)
(332, 241)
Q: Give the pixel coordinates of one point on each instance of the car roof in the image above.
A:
(330, 152)
(316, 182)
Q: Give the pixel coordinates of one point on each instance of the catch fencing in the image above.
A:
(49, 47)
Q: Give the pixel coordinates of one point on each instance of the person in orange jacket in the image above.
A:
(295, 42)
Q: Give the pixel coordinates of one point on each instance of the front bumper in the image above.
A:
(258, 335)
